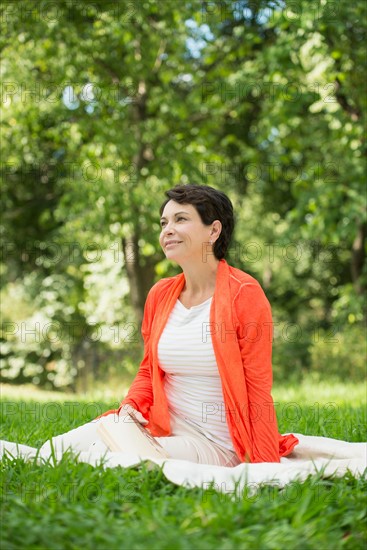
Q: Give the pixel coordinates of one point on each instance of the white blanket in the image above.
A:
(313, 455)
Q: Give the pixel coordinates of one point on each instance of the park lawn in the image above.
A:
(76, 505)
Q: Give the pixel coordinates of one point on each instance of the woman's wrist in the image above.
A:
(129, 409)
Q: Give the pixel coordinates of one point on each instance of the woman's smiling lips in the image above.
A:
(172, 243)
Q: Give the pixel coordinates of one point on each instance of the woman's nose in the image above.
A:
(167, 228)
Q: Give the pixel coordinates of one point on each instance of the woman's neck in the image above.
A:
(200, 279)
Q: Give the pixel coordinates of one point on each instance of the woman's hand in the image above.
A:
(125, 409)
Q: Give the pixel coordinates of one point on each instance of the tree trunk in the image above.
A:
(140, 273)
(358, 258)
(139, 270)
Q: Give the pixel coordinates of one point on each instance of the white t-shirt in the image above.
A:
(192, 383)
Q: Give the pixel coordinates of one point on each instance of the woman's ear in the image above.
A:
(216, 229)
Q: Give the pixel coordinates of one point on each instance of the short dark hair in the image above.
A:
(211, 205)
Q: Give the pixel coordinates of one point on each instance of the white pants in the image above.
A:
(185, 443)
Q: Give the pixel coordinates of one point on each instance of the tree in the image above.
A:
(106, 105)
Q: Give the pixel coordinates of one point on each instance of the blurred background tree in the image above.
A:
(105, 105)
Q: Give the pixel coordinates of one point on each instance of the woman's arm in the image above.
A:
(140, 394)
(255, 340)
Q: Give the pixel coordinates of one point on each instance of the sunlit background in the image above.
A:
(105, 105)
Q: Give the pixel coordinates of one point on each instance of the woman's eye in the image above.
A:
(178, 219)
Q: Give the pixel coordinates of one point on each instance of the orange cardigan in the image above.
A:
(241, 330)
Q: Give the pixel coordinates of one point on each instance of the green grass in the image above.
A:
(75, 505)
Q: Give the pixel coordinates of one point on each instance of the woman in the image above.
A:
(204, 384)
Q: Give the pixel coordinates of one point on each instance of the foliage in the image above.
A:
(343, 352)
(105, 105)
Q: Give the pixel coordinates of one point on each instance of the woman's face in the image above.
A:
(183, 234)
